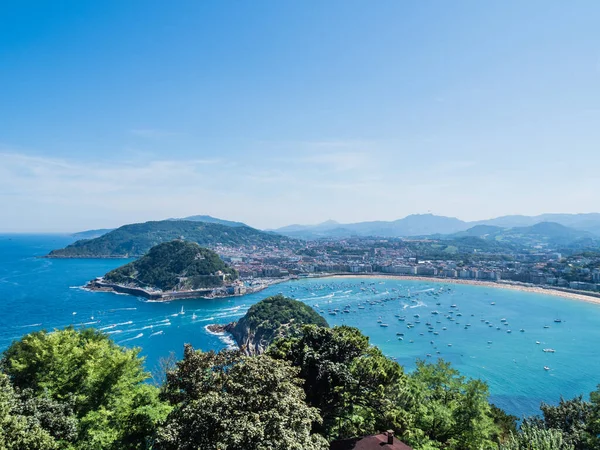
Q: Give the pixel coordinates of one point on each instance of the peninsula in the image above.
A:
(175, 269)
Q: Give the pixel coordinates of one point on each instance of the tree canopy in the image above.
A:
(229, 401)
(99, 381)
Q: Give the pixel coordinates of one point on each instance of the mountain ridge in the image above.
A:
(430, 224)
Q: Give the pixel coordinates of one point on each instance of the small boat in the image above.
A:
(400, 338)
(546, 326)
(546, 368)
(383, 325)
(428, 355)
(558, 320)
(449, 345)
(399, 334)
(194, 316)
(508, 331)
(452, 306)
(549, 350)
(493, 303)
(489, 342)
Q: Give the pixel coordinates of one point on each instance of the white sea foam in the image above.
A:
(228, 341)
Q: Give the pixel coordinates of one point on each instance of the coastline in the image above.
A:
(568, 294)
(98, 285)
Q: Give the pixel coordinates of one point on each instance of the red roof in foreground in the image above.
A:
(376, 442)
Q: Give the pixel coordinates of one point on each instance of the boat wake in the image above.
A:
(131, 339)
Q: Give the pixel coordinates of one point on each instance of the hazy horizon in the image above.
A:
(281, 113)
(268, 228)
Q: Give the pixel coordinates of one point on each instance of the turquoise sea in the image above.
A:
(38, 293)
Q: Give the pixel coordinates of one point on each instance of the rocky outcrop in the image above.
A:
(270, 319)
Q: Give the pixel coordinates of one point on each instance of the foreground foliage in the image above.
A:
(229, 401)
(84, 390)
(76, 389)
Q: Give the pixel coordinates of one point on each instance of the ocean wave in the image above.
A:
(214, 333)
(228, 341)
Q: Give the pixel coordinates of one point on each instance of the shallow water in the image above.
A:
(39, 293)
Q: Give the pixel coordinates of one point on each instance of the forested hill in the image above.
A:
(176, 265)
(136, 239)
(269, 319)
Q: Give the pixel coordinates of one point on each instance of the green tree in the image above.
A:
(99, 380)
(451, 410)
(572, 418)
(19, 432)
(229, 401)
(593, 421)
(531, 437)
(352, 383)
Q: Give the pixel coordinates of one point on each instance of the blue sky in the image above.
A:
(279, 112)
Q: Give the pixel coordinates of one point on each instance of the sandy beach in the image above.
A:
(558, 292)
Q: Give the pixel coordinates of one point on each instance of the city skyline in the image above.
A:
(276, 114)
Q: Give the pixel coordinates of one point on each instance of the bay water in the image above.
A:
(469, 329)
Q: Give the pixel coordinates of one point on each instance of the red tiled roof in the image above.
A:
(376, 442)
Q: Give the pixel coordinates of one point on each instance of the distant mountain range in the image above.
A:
(579, 230)
(550, 234)
(429, 224)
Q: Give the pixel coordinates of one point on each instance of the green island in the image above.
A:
(312, 388)
(175, 269)
(270, 319)
(136, 239)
